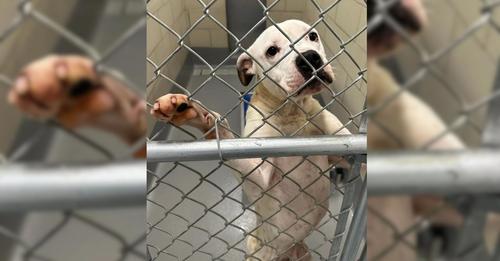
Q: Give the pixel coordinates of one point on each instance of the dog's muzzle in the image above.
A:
(309, 62)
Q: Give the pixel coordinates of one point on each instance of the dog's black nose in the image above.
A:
(313, 58)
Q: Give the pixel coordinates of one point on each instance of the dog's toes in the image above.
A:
(167, 105)
(21, 96)
(158, 112)
(24, 104)
(174, 108)
(180, 102)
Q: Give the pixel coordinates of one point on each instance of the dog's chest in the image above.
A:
(297, 198)
(297, 173)
(298, 183)
(291, 125)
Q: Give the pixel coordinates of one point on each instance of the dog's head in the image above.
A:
(409, 15)
(301, 71)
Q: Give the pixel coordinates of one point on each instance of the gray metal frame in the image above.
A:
(29, 188)
(449, 172)
(256, 148)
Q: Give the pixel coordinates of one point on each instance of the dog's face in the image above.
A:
(409, 15)
(287, 71)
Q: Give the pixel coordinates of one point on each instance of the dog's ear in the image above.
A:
(246, 69)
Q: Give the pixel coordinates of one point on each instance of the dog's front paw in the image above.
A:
(60, 87)
(177, 109)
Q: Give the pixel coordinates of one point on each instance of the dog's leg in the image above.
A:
(301, 252)
(406, 118)
(298, 252)
(253, 245)
(262, 252)
(256, 250)
(330, 124)
(179, 110)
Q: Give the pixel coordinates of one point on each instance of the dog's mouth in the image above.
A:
(321, 76)
(315, 84)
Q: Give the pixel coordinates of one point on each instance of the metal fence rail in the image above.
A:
(256, 148)
(456, 172)
(71, 187)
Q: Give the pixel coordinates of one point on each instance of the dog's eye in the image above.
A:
(272, 51)
(313, 36)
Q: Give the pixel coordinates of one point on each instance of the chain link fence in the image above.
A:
(54, 181)
(197, 209)
(435, 185)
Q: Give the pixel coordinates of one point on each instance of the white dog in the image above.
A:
(296, 191)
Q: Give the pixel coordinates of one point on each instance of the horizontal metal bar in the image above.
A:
(28, 187)
(165, 151)
(436, 172)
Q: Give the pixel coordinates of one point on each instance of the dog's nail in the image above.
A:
(61, 71)
(81, 87)
(182, 107)
(174, 100)
(21, 85)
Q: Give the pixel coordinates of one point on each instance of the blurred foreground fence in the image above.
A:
(453, 66)
(67, 211)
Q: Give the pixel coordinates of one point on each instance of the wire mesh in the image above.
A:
(196, 209)
(446, 93)
(61, 232)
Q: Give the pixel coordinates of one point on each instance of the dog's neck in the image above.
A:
(267, 99)
(269, 102)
